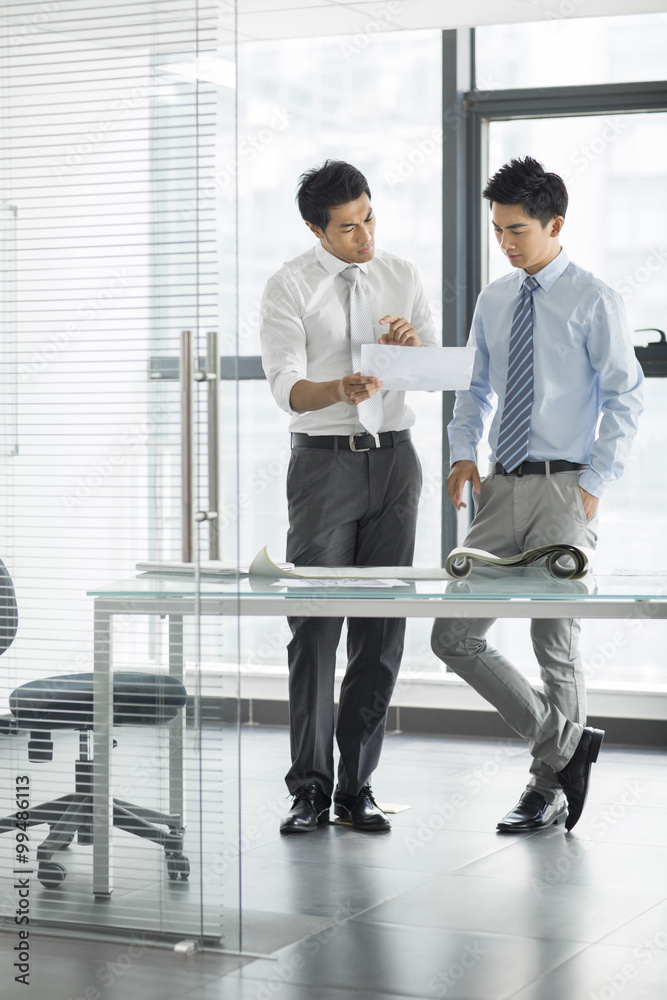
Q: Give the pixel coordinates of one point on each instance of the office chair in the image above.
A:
(66, 702)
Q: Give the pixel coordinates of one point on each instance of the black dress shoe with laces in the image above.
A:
(361, 810)
(575, 775)
(532, 812)
(310, 807)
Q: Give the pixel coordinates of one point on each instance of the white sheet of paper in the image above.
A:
(291, 582)
(429, 368)
(263, 566)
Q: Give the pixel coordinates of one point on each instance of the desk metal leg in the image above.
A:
(102, 742)
(177, 726)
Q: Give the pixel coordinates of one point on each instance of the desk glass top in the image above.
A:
(533, 584)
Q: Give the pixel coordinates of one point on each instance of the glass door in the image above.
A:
(114, 235)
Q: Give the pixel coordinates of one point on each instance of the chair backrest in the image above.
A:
(9, 616)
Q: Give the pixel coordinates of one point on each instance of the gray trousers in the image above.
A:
(346, 509)
(514, 513)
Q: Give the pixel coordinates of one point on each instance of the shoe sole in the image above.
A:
(322, 818)
(343, 814)
(596, 742)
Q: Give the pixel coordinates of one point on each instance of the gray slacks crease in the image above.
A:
(514, 513)
(346, 509)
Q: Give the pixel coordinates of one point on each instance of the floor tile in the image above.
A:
(264, 932)
(277, 989)
(427, 848)
(325, 890)
(509, 906)
(624, 821)
(647, 931)
(64, 968)
(552, 857)
(416, 962)
(602, 972)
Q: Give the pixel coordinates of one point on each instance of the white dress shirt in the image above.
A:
(304, 331)
(587, 393)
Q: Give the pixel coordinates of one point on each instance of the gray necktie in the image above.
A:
(371, 411)
(514, 431)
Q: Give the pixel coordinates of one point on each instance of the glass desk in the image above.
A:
(527, 593)
(486, 593)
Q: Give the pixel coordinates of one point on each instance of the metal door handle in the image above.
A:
(186, 446)
(212, 378)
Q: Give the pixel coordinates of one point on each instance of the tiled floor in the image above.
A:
(442, 906)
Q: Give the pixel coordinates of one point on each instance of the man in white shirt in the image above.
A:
(552, 345)
(353, 483)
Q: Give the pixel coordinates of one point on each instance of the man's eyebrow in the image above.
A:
(344, 225)
(515, 225)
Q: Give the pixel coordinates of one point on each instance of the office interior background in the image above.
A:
(149, 157)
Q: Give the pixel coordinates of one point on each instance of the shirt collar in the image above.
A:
(334, 265)
(549, 275)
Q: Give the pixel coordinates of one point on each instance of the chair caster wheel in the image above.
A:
(177, 865)
(51, 874)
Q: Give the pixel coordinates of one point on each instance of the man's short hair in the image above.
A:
(525, 182)
(332, 183)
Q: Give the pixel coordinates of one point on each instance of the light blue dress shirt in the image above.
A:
(587, 394)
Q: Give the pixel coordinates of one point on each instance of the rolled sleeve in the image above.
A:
(283, 342)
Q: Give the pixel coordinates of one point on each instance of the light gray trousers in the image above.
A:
(514, 513)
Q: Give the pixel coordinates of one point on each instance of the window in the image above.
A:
(613, 165)
(301, 102)
(572, 52)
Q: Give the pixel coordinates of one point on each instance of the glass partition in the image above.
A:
(117, 245)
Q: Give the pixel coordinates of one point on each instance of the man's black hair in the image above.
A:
(525, 182)
(332, 183)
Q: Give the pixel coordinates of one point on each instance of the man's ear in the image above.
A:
(316, 229)
(556, 225)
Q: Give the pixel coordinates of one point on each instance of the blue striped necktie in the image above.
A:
(371, 411)
(514, 431)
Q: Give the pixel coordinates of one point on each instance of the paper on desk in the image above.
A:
(209, 567)
(341, 581)
(430, 368)
(264, 566)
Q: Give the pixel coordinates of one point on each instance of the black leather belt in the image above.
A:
(352, 442)
(540, 468)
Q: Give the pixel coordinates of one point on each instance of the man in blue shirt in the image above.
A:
(553, 347)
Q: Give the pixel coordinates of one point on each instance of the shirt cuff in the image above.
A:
(282, 388)
(462, 455)
(592, 482)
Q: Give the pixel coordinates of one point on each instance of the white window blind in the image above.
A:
(113, 118)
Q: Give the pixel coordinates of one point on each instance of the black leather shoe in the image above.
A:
(532, 812)
(575, 775)
(310, 807)
(361, 810)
